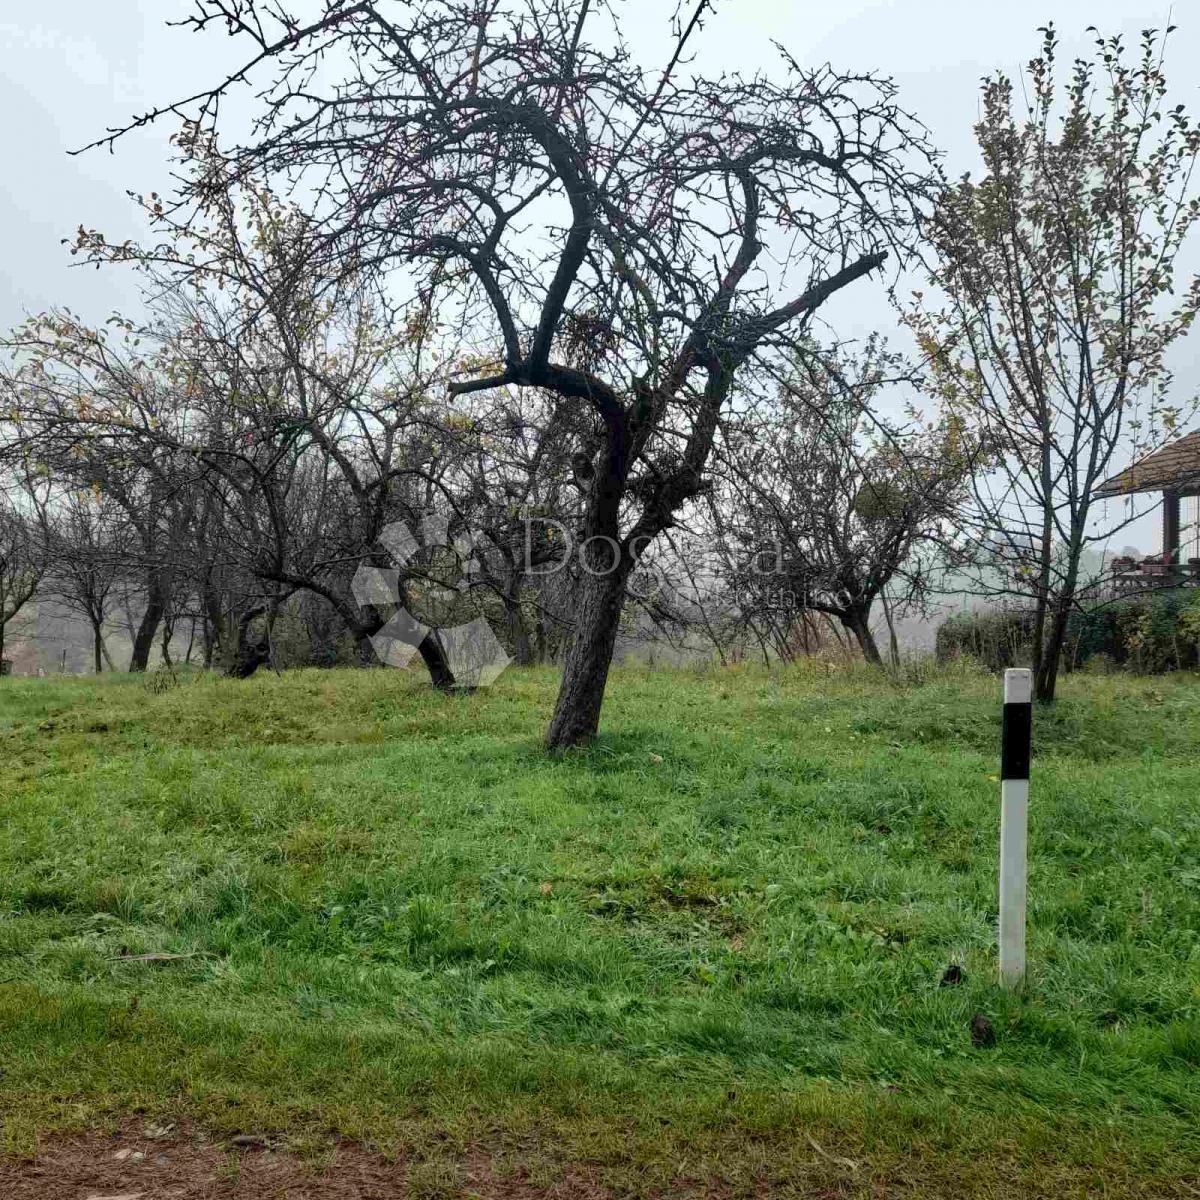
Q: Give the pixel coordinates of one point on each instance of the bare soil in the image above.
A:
(142, 1162)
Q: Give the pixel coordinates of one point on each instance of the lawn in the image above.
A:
(703, 955)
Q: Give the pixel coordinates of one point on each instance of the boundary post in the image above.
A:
(1016, 748)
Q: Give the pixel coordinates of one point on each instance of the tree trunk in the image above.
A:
(585, 672)
(434, 658)
(858, 621)
(248, 655)
(518, 632)
(1046, 682)
(208, 641)
(168, 632)
(144, 638)
(893, 640)
(97, 647)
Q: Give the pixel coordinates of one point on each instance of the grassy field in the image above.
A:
(703, 955)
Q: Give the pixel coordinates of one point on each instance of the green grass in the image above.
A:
(706, 948)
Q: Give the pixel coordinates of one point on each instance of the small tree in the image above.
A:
(829, 504)
(24, 552)
(1056, 306)
(88, 555)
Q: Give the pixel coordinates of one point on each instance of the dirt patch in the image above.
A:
(143, 1162)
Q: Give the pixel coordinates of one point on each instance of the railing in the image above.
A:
(1128, 576)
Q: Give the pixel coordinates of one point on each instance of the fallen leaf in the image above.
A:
(545, 888)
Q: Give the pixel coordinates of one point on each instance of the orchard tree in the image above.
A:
(1055, 303)
(90, 551)
(24, 544)
(630, 241)
(829, 506)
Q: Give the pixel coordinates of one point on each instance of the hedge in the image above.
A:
(1150, 633)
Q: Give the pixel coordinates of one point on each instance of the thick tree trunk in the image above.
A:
(597, 617)
(858, 621)
(143, 640)
(434, 658)
(215, 633)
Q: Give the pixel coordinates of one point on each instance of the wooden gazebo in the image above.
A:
(1173, 470)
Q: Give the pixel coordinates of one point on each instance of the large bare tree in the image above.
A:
(628, 239)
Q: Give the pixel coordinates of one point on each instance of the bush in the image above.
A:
(996, 638)
(1149, 634)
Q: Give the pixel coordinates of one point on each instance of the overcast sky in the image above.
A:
(72, 67)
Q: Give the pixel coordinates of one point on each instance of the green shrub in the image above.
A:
(996, 638)
(1149, 634)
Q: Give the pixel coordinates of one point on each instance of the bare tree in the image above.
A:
(263, 431)
(1055, 307)
(827, 504)
(89, 554)
(602, 234)
(24, 546)
(511, 479)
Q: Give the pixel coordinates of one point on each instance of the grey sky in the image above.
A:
(73, 67)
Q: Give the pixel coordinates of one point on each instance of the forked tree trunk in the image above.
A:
(1045, 682)
(597, 618)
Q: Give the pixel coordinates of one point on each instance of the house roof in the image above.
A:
(1176, 465)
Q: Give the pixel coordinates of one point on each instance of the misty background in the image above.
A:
(73, 68)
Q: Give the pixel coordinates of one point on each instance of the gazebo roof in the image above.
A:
(1176, 465)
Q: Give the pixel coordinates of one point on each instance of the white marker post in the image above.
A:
(1016, 746)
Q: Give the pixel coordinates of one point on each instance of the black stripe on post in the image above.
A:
(1016, 739)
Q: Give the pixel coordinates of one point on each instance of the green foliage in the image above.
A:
(1147, 634)
(994, 638)
(724, 922)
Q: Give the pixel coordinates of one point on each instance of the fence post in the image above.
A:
(1016, 742)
